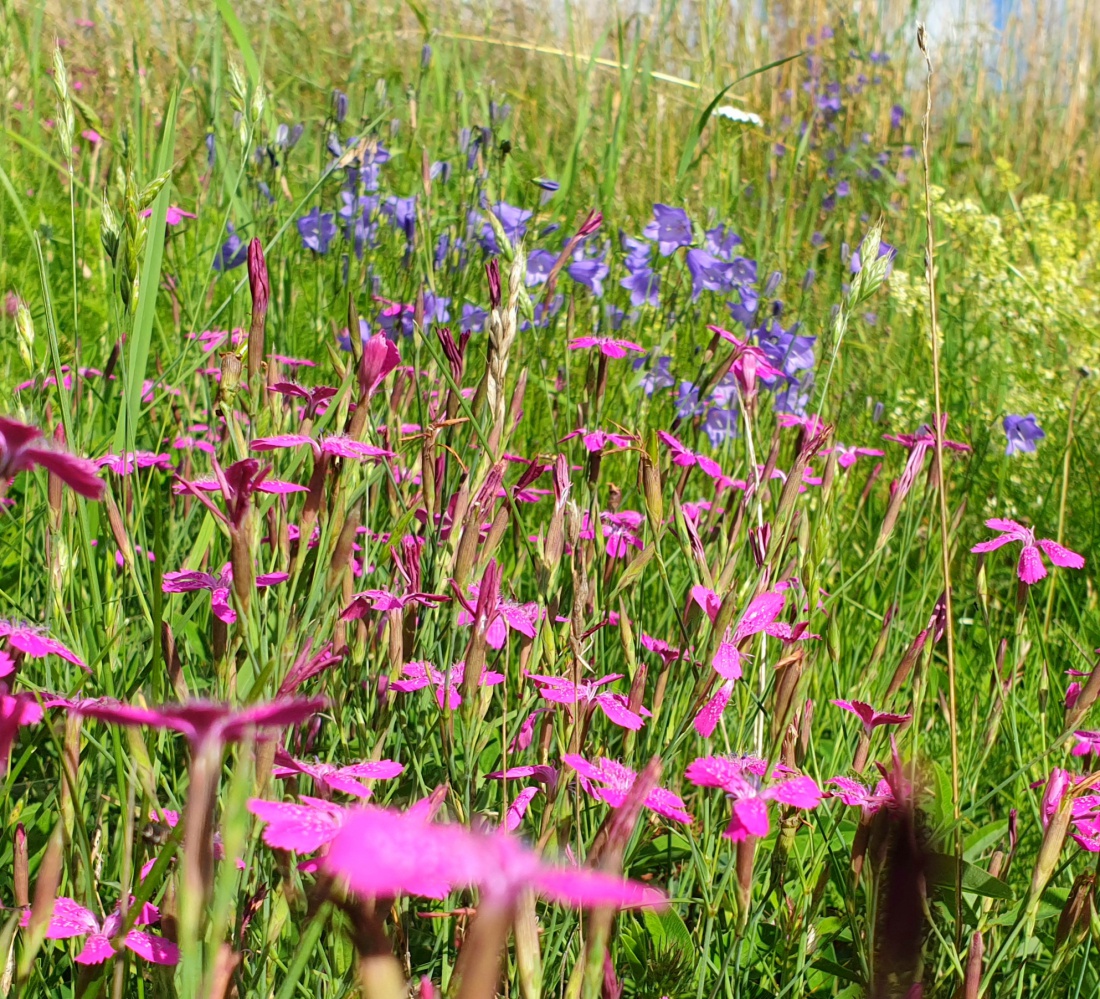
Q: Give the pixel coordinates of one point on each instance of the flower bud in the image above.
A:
(260, 286)
(21, 871)
(24, 328)
(492, 272)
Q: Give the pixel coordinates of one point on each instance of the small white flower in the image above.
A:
(731, 113)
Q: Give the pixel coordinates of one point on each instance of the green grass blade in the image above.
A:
(240, 36)
(687, 157)
(141, 337)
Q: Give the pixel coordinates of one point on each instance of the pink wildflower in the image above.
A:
(608, 346)
(19, 452)
(174, 215)
(759, 616)
(510, 615)
(847, 456)
(1030, 568)
(70, 919)
(380, 357)
(219, 586)
(870, 717)
(919, 444)
(270, 487)
(128, 463)
(537, 772)
(750, 362)
(561, 690)
(622, 531)
(811, 425)
(316, 399)
(685, 457)
(667, 653)
(597, 440)
(741, 779)
(308, 665)
(424, 674)
(32, 642)
(329, 777)
(526, 734)
(518, 809)
(384, 600)
(611, 781)
(856, 795)
(1087, 743)
(336, 445)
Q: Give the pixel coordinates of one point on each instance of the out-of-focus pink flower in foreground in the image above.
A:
(382, 852)
(1030, 568)
(70, 919)
(741, 778)
(19, 452)
(203, 722)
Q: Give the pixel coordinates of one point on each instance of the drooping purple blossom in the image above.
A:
(657, 376)
(232, 253)
(1023, 433)
(317, 230)
(671, 228)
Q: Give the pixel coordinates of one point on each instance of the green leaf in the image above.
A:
(940, 872)
(667, 929)
(982, 839)
(941, 809)
(697, 128)
(837, 971)
(633, 572)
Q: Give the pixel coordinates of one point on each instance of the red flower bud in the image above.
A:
(260, 286)
(492, 271)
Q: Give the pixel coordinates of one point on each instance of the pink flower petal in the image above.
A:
(518, 809)
(801, 792)
(618, 713)
(749, 818)
(152, 948)
(302, 828)
(707, 718)
(97, 949)
(1030, 567)
(1061, 556)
